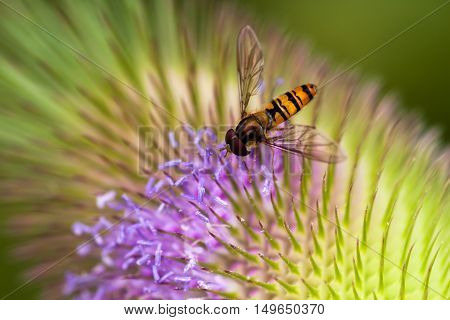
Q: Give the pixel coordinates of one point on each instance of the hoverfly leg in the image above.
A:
(227, 148)
(273, 164)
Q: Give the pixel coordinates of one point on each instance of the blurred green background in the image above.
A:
(416, 66)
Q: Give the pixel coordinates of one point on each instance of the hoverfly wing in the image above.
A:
(250, 64)
(305, 141)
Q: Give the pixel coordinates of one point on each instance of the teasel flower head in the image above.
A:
(112, 166)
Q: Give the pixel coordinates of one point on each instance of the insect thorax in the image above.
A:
(251, 129)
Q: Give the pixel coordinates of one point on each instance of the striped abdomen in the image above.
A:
(286, 105)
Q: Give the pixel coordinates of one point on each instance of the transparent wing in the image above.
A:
(250, 64)
(305, 141)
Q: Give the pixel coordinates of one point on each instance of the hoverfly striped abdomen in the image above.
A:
(286, 105)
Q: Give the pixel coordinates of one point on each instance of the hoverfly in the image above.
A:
(262, 126)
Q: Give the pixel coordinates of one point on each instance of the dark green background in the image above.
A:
(416, 66)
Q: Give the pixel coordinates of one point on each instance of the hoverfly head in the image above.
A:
(235, 145)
